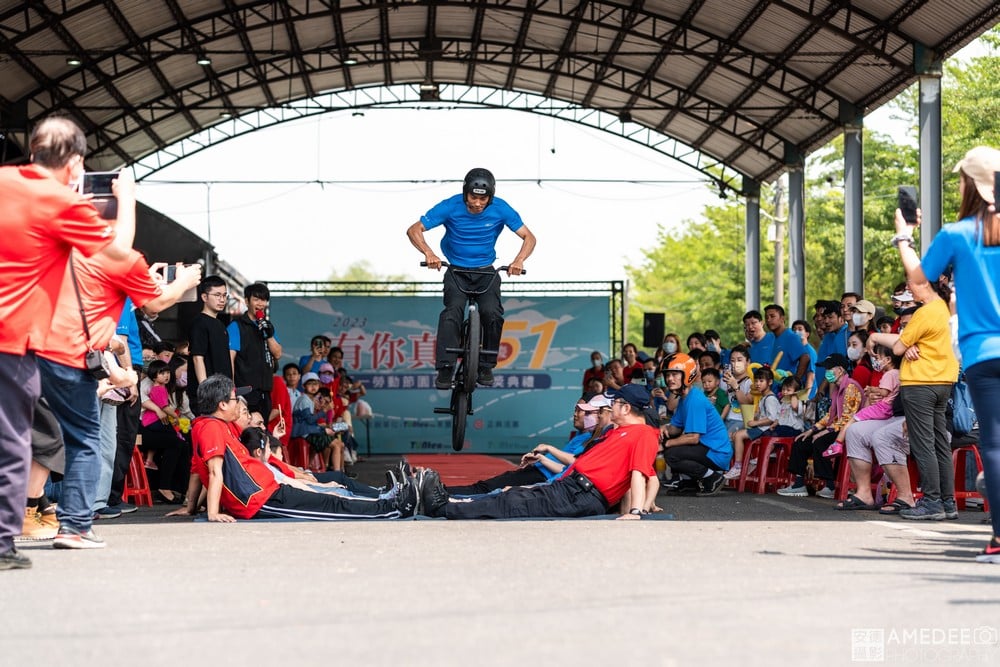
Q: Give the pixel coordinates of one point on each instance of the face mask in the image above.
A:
(738, 367)
(649, 375)
(589, 421)
(898, 310)
(670, 347)
(182, 380)
(326, 377)
(830, 376)
(712, 347)
(598, 363)
(876, 364)
(858, 319)
(853, 353)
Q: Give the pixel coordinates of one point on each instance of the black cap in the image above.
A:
(835, 360)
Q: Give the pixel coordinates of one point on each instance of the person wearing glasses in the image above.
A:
(209, 340)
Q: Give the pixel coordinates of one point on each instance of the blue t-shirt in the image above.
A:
(762, 352)
(792, 349)
(812, 369)
(695, 414)
(470, 239)
(128, 326)
(234, 337)
(834, 342)
(976, 271)
(573, 448)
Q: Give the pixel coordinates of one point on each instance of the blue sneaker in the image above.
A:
(107, 513)
(950, 508)
(125, 508)
(925, 510)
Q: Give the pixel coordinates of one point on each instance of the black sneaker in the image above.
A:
(406, 500)
(433, 495)
(681, 486)
(485, 376)
(711, 485)
(14, 560)
(125, 508)
(391, 480)
(444, 376)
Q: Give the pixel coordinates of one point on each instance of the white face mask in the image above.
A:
(589, 421)
(853, 353)
(858, 319)
(670, 347)
(598, 363)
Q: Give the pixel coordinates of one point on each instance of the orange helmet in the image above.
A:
(683, 364)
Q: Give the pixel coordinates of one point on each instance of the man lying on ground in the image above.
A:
(600, 477)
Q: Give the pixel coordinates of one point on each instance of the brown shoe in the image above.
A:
(34, 529)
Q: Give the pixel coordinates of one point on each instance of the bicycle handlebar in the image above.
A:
(496, 270)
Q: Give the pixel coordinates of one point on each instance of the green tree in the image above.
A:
(361, 271)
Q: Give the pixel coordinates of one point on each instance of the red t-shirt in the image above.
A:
(104, 283)
(40, 221)
(609, 465)
(246, 481)
(282, 401)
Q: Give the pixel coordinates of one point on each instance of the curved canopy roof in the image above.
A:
(744, 85)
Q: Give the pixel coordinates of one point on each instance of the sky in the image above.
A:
(304, 231)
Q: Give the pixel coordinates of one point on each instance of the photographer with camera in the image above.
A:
(254, 350)
(41, 218)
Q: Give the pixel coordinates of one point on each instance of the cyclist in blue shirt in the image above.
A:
(472, 223)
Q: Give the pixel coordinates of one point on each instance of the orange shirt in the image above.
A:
(104, 284)
(40, 221)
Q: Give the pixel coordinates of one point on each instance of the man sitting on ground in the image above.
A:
(241, 487)
(598, 480)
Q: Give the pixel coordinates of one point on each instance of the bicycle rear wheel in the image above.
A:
(459, 413)
(473, 341)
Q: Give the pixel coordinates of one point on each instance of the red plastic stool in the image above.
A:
(959, 457)
(136, 483)
(299, 452)
(766, 473)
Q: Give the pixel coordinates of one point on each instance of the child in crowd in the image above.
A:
(154, 415)
(716, 395)
(765, 418)
(738, 385)
(791, 411)
(877, 402)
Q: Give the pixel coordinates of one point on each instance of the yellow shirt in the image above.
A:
(930, 332)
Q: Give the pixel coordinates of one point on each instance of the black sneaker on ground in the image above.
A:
(485, 376)
(406, 500)
(14, 560)
(444, 376)
(711, 485)
(125, 508)
(433, 495)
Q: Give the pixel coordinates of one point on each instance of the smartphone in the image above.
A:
(98, 183)
(170, 275)
(906, 200)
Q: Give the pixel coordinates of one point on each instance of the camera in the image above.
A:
(97, 365)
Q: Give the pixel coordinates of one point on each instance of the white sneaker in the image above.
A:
(826, 492)
(793, 491)
(734, 472)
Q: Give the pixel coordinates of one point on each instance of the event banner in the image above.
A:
(389, 343)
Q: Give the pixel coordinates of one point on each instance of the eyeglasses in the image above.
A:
(224, 295)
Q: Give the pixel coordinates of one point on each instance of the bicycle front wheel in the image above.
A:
(473, 342)
(460, 411)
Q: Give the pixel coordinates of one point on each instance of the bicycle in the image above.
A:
(463, 383)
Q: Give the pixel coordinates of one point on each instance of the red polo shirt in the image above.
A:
(40, 221)
(104, 283)
(246, 481)
(609, 465)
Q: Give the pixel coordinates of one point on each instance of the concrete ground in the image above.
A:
(735, 578)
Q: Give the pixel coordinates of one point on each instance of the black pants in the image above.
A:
(562, 498)
(128, 428)
(812, 447)
(259, 400)
(171, 454)
(490, 314)
(690, 460)
(517, 477)
(924, 406)
(291, 502)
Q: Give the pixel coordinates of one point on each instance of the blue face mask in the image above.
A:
(830, 376)
(670, 347)
(712, 347)
(649, 375)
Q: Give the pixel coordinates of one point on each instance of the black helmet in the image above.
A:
(479, 181)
